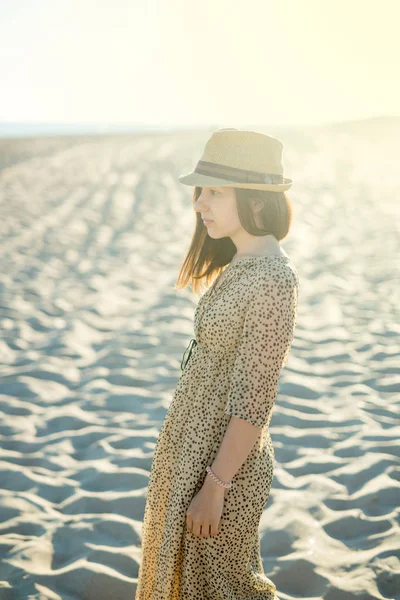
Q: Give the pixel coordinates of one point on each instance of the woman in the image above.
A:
(213, 464)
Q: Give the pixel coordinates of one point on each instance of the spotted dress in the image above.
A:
(244, 329)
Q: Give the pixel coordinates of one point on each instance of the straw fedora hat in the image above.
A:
(240, 158)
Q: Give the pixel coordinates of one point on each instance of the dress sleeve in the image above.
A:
(263, 349)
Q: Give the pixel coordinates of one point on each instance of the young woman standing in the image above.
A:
(213, 464)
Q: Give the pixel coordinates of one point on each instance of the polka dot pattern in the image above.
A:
(244, 328)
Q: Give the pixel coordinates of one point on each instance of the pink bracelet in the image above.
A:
(217, 479)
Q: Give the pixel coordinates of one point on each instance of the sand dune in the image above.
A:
(94, 230)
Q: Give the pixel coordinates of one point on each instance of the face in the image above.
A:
(218, 204)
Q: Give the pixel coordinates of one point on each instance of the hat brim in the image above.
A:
(197, 180)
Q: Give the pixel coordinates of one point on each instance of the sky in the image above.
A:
(191, 62)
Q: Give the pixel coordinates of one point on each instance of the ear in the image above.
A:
(256, 204)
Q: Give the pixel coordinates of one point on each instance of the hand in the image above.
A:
(205, 510)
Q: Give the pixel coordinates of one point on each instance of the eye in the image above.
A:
(212, 192)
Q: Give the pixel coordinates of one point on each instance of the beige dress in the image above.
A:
(244, 329)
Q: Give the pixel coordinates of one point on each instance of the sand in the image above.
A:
(94, 230)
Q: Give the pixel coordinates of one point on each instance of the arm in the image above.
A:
(239, 439)
(262, 353)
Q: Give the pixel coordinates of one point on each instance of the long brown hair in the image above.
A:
(211, 256)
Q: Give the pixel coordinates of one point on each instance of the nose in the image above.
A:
(199, 202)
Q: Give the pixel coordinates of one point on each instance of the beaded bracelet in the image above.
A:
(217, 479)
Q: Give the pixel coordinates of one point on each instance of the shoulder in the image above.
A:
(274, 285)
(275, 273)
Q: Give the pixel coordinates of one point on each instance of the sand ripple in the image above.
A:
(93, 232)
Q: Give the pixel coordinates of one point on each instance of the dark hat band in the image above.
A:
(204, 167)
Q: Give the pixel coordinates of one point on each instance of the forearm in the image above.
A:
(238, 441)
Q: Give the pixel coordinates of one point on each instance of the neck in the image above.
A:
(268, 244)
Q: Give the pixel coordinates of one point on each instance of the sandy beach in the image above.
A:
(93, 232)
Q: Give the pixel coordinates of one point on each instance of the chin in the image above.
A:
(214, 233)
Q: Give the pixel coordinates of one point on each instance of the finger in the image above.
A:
(196, 528)
(214, 529)
(205, 530)
(189, 523)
